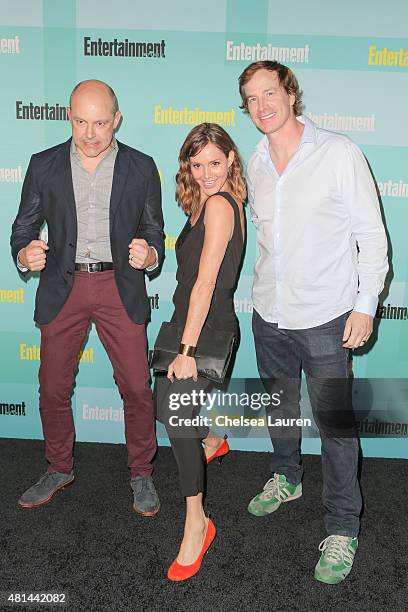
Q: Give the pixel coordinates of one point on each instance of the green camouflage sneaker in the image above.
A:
(275, 492)
(337, 558)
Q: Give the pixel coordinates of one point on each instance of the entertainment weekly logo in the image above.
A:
(29, 111)
(11, 175)
(10, 46)
(123, 48)
(154, 301)
(243, 305)
(393, 189)
(101, 413)
(389, 311)
(13, 409)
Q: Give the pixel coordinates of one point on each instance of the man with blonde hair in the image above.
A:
(321, 265)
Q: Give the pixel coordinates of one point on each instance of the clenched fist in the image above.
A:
(141, 255)
(33, 256)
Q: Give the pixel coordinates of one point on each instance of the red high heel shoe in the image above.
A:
(177, 572)
(221, 451)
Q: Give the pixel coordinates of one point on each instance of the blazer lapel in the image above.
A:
(120, 173)
(65, 178)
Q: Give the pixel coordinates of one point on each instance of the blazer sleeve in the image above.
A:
(151, 222)
(30, 216)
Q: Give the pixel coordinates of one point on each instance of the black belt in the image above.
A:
(98, 266)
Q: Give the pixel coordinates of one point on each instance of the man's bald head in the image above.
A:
(94, 118)
(97, 87)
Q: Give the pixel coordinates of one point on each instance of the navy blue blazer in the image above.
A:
(135, 212)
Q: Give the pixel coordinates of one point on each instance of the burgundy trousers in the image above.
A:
(95, 297)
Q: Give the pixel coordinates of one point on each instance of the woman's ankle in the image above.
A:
(196, 523)
(213, 441)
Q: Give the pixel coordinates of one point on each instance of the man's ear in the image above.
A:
(116, 119)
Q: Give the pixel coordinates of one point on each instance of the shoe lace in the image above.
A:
(144, 483)
(273, 488)
(336, 550)
(148, 483)
(45, 476)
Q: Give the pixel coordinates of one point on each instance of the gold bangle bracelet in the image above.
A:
(187, 350)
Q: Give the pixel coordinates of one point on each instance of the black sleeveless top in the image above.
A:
(189, 245)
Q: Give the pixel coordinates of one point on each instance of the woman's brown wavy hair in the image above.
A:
(188, 190)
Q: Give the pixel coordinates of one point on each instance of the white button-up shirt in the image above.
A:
(322, 244)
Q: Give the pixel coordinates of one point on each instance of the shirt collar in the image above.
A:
(308, 135)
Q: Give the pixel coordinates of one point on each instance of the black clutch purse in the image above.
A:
(213, 353)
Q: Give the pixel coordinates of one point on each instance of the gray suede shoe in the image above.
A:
(145, 499)
(44, 490)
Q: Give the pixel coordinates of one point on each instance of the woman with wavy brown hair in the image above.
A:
(209, 250)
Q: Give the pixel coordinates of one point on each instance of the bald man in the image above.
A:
(102, 205)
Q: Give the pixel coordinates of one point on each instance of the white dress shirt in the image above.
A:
(310, 221)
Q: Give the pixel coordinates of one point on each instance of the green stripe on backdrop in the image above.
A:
(247, 16)
(59, 18)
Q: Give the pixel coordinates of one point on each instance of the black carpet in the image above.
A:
(89, 544)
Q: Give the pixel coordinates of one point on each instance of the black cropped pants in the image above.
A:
(175, 402)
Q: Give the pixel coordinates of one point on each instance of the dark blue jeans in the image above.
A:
(281, 355)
